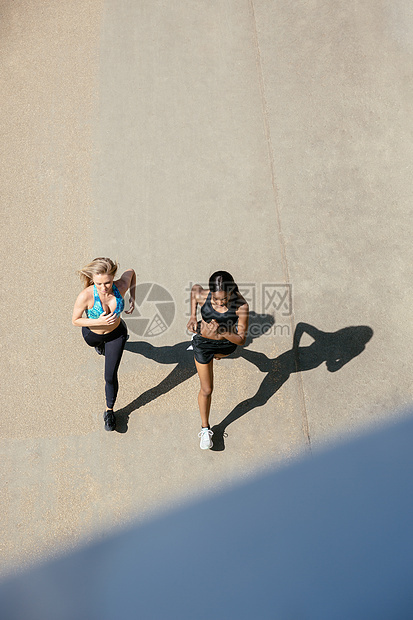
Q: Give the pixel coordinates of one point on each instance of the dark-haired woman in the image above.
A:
(223, 327)
(102, 302)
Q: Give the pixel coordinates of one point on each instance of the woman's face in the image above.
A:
(220, 298)
(103, 283)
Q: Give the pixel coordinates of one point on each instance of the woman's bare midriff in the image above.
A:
(102, 332)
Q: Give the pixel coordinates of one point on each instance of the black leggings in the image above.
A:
(114, 344)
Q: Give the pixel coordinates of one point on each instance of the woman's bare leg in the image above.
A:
(206, 378)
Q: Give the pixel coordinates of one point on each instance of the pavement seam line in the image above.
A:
(305, 425)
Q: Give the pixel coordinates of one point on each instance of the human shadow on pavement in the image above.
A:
(184, 369)
(183, 357)
(333, 348)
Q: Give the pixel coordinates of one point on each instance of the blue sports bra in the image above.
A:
(96, 311)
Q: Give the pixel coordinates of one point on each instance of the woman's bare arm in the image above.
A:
(125, 282)
(238, 337)
(196, 298)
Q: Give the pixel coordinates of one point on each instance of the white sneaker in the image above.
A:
(206, 441)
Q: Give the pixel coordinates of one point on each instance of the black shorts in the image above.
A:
(205, 349)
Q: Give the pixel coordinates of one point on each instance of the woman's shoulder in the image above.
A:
(120, 286)
(123, 283)
(86, 295)
(200, 293)
(241, 304)
(88, 292)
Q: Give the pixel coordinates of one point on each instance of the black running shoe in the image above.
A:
(100, 349)
(110, 420)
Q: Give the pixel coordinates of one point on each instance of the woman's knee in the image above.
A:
(206, 390)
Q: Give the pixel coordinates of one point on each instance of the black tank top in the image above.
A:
(226, 319)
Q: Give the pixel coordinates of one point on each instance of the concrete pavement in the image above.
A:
(269, 139)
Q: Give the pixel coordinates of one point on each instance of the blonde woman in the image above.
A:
(97, 311)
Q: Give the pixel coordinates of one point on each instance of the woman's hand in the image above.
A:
(108, 319)
(210, 330)
(192, 324)
(131, 306)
